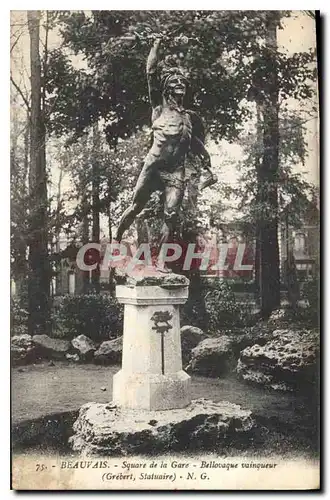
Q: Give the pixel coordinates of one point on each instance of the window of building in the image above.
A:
(299, 242)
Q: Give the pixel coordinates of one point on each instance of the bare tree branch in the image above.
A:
(15, 42)
(300, 124)
(24, 25)
(26, 102)
(311, 13)
(45, 64)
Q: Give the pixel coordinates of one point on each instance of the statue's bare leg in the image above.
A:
(172, 202)
(143, 190)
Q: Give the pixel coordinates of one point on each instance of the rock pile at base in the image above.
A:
(23, 349)
(72, 357)
(105, 429)
(287, 362)
(212, 357)
(50, 348)
(84, 347)
(109, 352)
(215, 356)
(191, 336)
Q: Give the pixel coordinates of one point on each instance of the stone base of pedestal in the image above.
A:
(107, 429)
(151, 391)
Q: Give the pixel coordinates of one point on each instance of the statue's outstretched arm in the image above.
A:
(155, 95)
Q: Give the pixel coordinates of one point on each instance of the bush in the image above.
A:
(224, 310)
(18, 318)
(99, 317)
(310, 291)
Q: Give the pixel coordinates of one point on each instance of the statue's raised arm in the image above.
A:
(155, 94)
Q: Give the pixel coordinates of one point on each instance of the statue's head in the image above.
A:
(174, 82)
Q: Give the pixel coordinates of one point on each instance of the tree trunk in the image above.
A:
(85, 236)
(39, 275)
(269, 250)
(21, 281)
(58, 232)
(26, 150)
(96, 202)
(18, 178)
(143, 235)
(109, 223)
(258, 165)
(194, 309)
(112, 285)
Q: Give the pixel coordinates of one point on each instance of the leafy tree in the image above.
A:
(225, 47)
(33, 205)
(19, 167)
(292, 187)
(294, 192)
(230, 55)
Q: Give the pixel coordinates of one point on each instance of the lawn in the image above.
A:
(285, 419)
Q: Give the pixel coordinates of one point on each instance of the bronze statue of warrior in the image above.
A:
(176, 132)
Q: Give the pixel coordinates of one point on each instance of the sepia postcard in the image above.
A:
(165, 265)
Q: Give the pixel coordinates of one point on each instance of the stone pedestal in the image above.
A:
(106, 429)
(151, 382)
(151, 377)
